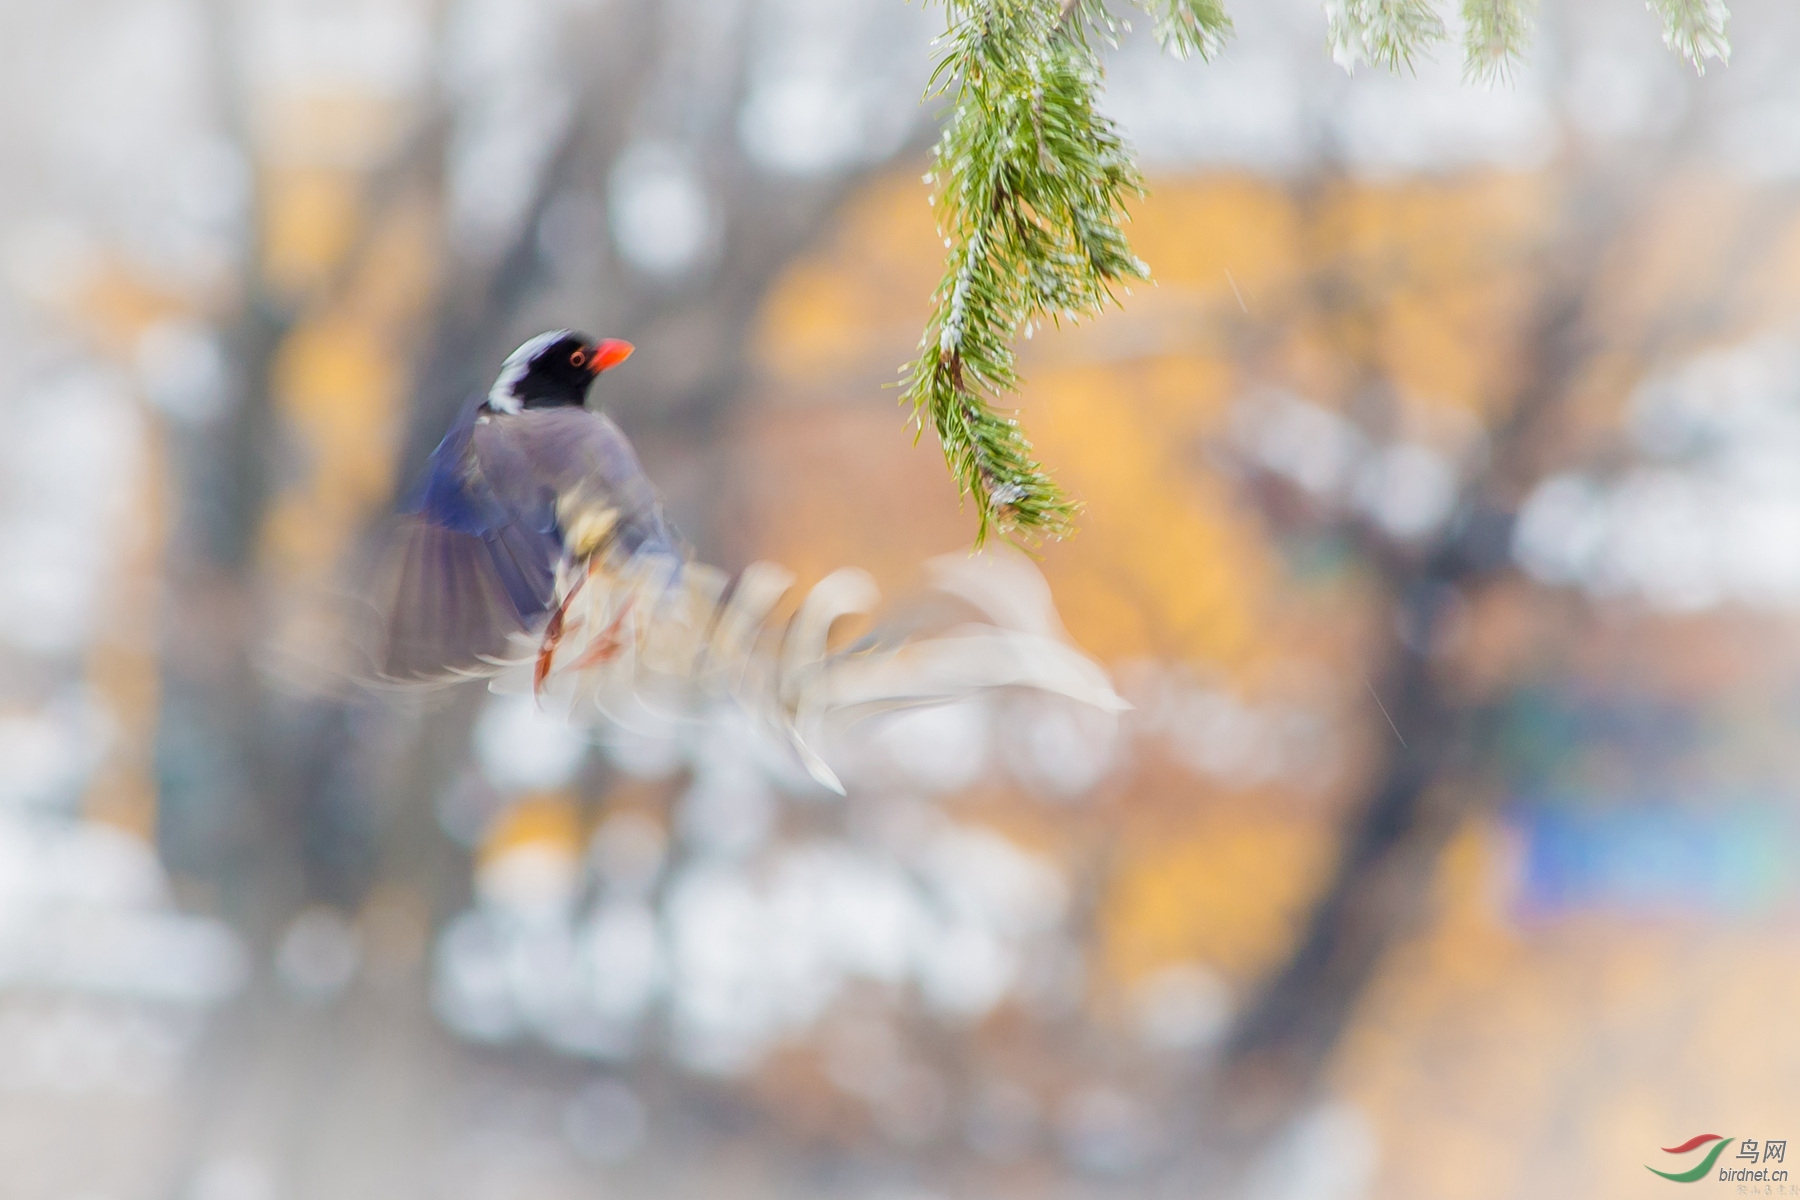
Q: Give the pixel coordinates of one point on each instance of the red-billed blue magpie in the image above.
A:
(526, 480)
(536, 543)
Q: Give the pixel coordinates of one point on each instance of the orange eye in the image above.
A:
(578, 359)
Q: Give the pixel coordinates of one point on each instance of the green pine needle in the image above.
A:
(1032, 180)
(1387, 33)
(1495, 33)
(1031, 185)
(1695, 29)
(1190, 28)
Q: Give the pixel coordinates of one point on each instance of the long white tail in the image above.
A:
(675, 636)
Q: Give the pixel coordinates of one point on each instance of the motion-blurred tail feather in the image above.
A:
(658, 633)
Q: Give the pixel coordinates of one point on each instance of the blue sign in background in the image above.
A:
(1652, 859)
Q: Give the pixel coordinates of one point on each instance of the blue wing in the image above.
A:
(475, 555)
(467, 570)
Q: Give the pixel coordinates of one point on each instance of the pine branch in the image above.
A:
(1695, 29)
(1495, 33)
(1031, 183)
(1384, 32)
(1189, 28)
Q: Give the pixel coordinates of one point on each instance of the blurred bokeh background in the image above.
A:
(1443, 526)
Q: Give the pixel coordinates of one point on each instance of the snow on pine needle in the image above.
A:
(1031, 181)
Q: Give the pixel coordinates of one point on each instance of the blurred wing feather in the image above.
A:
(466, 570)
(452, 601)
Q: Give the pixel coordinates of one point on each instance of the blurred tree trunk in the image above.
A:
(1437, 770)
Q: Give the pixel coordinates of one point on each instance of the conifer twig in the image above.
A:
(1190, 28)
(1695, 29)
(1031, 182)
(1387, 33)
(1495, 33)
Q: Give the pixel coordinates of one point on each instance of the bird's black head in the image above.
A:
(554, 369)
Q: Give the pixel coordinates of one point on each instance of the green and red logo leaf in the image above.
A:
(1705, 1164)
